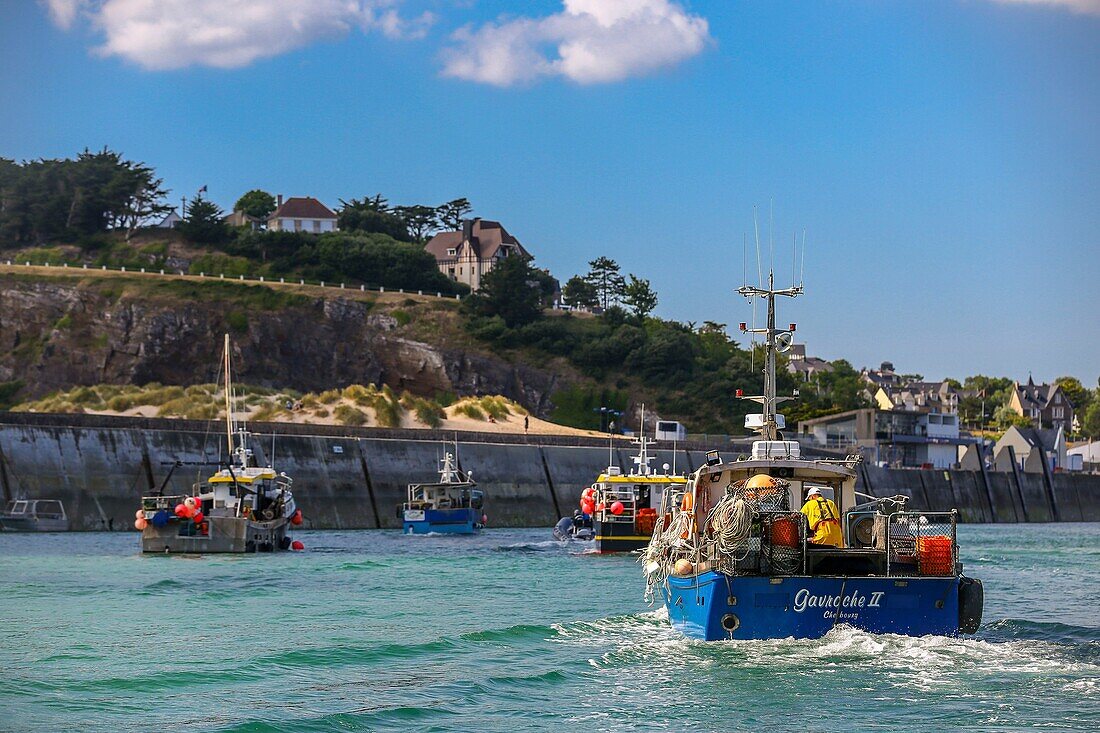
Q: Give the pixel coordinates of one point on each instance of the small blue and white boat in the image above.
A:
(450, 506)
(732, 557)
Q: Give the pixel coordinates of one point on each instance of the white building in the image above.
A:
(301, 214)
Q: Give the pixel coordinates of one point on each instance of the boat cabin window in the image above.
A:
(19, 507)
(49, 509)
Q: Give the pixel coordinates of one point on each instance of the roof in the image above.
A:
(1038, 396)
(1089, 451)
(302, 207)
(1044, 438)
(485, 238)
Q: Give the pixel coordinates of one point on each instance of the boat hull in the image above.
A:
(237, 535)
(619, 537)
(33, 524)
(713, 606)
(442, 521)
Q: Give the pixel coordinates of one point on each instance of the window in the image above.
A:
(316, 225)
(297, 225)
(1057, 398)
(452, 252)
(1059, 412)
(460, 271)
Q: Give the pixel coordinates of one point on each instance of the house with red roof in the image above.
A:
(465, 256)
(301, 214)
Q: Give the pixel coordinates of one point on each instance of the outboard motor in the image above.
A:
(563, 530)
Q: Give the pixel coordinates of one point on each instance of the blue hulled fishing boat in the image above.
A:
(734, 557)
(451, 505)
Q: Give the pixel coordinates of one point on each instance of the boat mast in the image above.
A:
(228, 400)
(769, 430)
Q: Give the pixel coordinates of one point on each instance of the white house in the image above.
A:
(301, 214)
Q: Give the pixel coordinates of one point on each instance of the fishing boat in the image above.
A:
(619, 511)
(34, 515)
(243, 507)
(452, 505)
(734, 557)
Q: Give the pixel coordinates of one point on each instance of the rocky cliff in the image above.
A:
(62, 331)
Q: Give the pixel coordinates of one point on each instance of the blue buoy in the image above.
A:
(160, 518)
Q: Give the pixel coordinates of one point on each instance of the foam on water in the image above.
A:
(509, 630)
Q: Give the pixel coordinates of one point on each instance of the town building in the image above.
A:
(241, 219)
(1031, 446)
(806, 367)
(914, 425)
(884, 376)
(466, 255)
(1084, 457)
(171, 221)
(301, 214)
(1045, 404)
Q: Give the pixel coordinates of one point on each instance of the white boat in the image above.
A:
(34, 515)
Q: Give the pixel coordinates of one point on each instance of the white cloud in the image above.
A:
(171, 34)
(1087, 7)
(589, 41)
(63, 12)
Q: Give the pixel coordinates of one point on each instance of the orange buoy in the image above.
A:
(683, 567)
(688, 502)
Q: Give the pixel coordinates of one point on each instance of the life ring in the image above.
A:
(687, 506)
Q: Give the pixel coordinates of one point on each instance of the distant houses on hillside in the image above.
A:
(295, 214)
(466, 255)
(1045, 404)
(912, 423)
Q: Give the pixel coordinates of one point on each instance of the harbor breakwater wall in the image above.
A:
(355, 477)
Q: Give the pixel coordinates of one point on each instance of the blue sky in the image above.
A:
(943, 156)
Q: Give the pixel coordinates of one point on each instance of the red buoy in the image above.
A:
(617, 508)
(296, 518)
(197, 519)
(297, 545)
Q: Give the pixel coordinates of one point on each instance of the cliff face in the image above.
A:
(56, 333)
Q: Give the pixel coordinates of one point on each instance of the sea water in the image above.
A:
(509, 631)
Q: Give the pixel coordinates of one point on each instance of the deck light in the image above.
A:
(743, 326)
(792, 327)
(740, 393)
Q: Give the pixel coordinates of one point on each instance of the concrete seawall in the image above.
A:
(355, 478)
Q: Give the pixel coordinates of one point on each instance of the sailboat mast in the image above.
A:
(228, 399)
(770, 427)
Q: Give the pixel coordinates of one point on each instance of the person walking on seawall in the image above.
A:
(823, 520)
(526, 424)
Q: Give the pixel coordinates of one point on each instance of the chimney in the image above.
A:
(279, 200)
(468, 230)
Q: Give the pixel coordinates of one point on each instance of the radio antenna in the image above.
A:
(802, 271)
(756, 228)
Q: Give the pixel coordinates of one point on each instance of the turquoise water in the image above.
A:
(372, 631)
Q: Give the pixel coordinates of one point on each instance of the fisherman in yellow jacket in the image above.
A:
(823, 520)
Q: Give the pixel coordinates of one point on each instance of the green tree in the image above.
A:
(580, 293)
(511, 291)
(203, 223)
(1005, 417)
(1078, 395)
(420, 221)
(639, 297)
(256, 203)
(371, 215)
(1090, 424)
(605, 277)
(453, 213)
